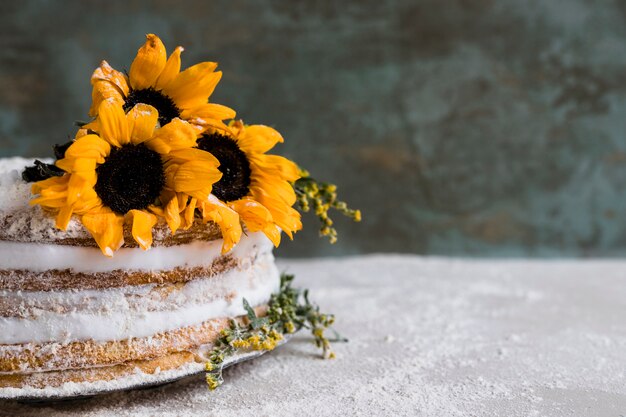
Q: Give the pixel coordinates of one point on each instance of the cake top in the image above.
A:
(18, 220)
(14, 190)
(158, 155)
(22, 222)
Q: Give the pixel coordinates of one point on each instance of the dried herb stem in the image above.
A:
(289, 310)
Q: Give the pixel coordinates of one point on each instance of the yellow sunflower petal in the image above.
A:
(142, 224)
(89, 147)
(209, 117)
(78, 186)
(238, 128)
(194, 86)
(158, 211)
(226, 218)
(77, 165)
(209, 111)
(273, 233)
(107, 228)
(257, 218)
(106, 73)
(52, 182)
(196, 178)
(171, 69)
(55, 192)
(289, 221)
(189, 213)
(274, 188)
(113, 124)
(254, 215)
(278, 166)
(181, 156)
(287, 218)
(259, 138)
(211, 125)
(64, 216)
(83, 131)
(54, 187)
(49, 202)
(101, 91)
(52, 200)
(177, 134)
(142, 120)
(172, 215)
(88, 202)
(148, 63)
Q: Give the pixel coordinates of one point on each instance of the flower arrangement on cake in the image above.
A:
(169, 206)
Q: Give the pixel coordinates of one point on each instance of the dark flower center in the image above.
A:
(234, 166)
(164, 105)
(131, 178)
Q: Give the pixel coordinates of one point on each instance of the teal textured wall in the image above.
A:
(460, 127)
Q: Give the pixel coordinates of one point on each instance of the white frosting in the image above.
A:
(14, 192)
(197, 301)
(17, 163)
(38, 257)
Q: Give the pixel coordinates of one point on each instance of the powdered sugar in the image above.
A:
(14, 191)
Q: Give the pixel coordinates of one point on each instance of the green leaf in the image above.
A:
(249, 310)
(255, 322)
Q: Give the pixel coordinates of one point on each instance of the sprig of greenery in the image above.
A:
(322, 196)
(289, 310)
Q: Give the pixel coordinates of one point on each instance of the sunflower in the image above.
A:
(157, 81)
(255, 187)
(126, 170)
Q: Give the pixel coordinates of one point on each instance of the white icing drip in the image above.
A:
(223, 297)
(38, 257)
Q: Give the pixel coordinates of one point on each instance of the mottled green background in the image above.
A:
(459, 127)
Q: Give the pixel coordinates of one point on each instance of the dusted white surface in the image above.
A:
(428, 337)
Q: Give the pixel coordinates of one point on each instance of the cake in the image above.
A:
(70, 314)
(143, 250)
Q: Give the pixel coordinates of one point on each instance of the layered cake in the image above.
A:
(68, 313)
(143, 250)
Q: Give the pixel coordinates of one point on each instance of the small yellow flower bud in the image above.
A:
(289, 327)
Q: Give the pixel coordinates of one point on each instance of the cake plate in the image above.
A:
(77, 391)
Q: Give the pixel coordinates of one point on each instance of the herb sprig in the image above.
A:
(322, 196)
(289, 310)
